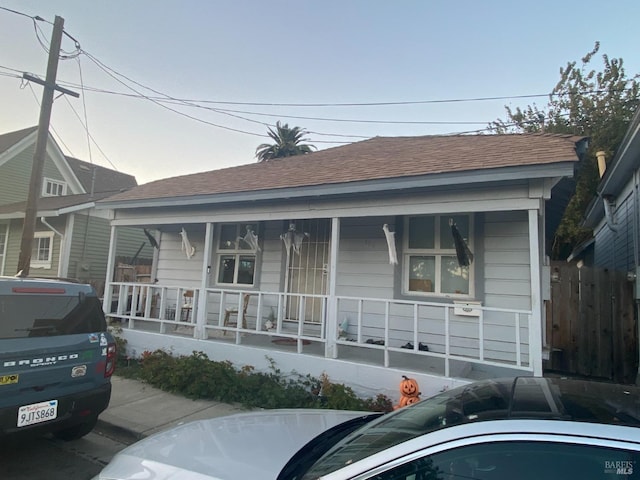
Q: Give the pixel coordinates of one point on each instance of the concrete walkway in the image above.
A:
(138, 410)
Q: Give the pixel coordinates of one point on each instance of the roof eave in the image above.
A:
(57, 212)
(19, 214)
(76, 208)
(558, 169)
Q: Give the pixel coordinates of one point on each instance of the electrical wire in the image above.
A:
(108, 72)
(11, 69)
(167, 98)
(90, 136)
(50, 125)
(84, 108)
(114, 73)
(235, 113)
(191, 103)
(43, 44)
(20, 13)
(351, 120)
(11, 75)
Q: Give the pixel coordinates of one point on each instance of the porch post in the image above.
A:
(535, 327)
(111, 260)
(201, 312)
(331, 332)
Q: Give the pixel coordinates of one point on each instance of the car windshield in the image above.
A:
(481, 401)
(49, 315)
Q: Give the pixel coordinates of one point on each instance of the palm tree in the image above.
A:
(287, 143)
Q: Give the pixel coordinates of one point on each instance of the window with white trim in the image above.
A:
(430, 262)
(235, 254)
(53, 188)
(42, 250)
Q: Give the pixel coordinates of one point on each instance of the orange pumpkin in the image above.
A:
(404, 401)
(409, 387)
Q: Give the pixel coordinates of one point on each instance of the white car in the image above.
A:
(522, 428)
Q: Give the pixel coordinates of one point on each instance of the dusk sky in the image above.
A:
(235, 55)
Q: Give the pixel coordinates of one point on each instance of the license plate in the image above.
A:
(37, 413)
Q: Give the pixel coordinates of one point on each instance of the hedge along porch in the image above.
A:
(335, 303)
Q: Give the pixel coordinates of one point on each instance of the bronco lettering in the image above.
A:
(36, 362)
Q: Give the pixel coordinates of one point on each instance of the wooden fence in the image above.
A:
(591, 323)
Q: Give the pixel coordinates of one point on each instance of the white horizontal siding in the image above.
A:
(271, 258)
(507, 279)
(174, 268)
(363, 261)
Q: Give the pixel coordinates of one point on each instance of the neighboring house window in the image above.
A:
(236, 258)
(430, 264)
(53, 188)
(42, 250)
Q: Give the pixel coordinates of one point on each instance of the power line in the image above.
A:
(50, 126)
(192, 103)
(108, 72)
(164, 98)
(11, 75)
(113, 72)
(351, 120)
(84, 109)
(11, 69)
(21, 13)
(89, 134)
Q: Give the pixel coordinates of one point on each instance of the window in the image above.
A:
(46, 315)
(42, 250)
(431, 264)
(53, 188)
(236, 254)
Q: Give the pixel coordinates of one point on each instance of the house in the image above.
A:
(412, 255)
(71, 237)
(614, 216)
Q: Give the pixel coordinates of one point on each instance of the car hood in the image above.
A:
(251, 445)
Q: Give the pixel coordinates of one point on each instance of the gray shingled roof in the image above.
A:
(7, 140)
(374, 159)
(106, 180)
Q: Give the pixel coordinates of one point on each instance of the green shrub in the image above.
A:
(196, 376)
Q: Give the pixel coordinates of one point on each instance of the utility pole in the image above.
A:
(35, 184)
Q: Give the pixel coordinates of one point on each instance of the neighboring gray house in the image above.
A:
(413, 255)
(71, 237)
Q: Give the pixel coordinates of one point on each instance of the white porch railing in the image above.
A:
(427, 336)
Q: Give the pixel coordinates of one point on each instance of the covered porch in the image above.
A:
(463, 341)
(333, 309)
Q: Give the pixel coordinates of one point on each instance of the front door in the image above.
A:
(307, 269)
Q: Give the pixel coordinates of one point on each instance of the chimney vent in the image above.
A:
(602, 163)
